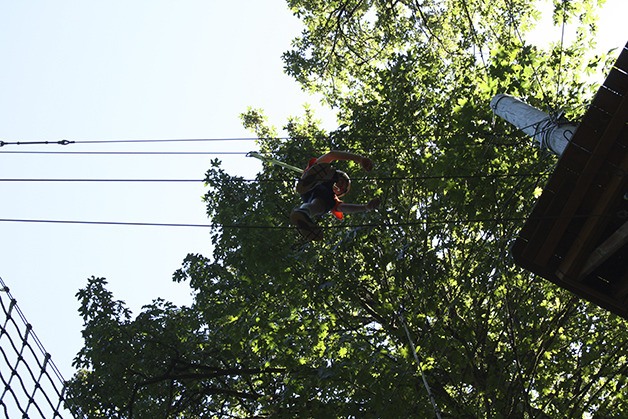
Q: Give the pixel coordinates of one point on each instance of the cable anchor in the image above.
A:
(62, 142)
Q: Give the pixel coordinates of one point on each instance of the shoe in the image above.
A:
(308, 228)
(321, 172)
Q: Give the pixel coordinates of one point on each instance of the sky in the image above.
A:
(120, 70)
(134, 70)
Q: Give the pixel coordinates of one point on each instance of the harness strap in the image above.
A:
(273, 161)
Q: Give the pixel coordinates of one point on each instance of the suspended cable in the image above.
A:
(62, 142)
(175, 140)
(420, 366)
(121, 223)
(460, 221)
(379, 178)
(129, 152)
(535, 70)
(241, 139)
(190, 153)
(115, 180)
(562, 38)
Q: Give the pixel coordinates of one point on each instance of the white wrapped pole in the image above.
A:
(548, 132)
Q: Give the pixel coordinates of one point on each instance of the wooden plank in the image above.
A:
(622, 60)
(586, 137)
(566, 241)
(574, 159)
(593, 294)
(518, 248)
(541, 207)
(596, 119)
(543, 221)
(617, 81)
(547, 208)
(607, 100)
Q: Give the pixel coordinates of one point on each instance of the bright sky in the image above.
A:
(81, 70)
(153, 69)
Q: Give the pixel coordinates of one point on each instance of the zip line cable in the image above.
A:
(129, 152)
(249, 226)
(562, 39)
(248, 139)
(171, 140)
(190, 153)
(461, 221)
(382, 178)
(174, 140)
(62, 142)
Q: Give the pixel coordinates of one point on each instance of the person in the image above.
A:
(321, 186)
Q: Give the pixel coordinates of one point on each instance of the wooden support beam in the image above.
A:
(607, 249)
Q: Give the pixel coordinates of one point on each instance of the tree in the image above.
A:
(286, 329)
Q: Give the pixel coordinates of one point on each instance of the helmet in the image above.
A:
(342, 184)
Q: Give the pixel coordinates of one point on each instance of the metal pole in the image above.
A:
(545, 129)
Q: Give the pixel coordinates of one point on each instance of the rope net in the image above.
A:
(31, 385)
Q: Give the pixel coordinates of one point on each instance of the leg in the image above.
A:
(301, 218)
(315, 207)
(318, 201)
(355, 208)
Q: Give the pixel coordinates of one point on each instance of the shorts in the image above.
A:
(324, 192)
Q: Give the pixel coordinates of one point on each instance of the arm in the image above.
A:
(332, 156)
(354, 208)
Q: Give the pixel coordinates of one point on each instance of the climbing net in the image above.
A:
(32, 386)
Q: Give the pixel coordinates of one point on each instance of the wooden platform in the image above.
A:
(577, 233)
